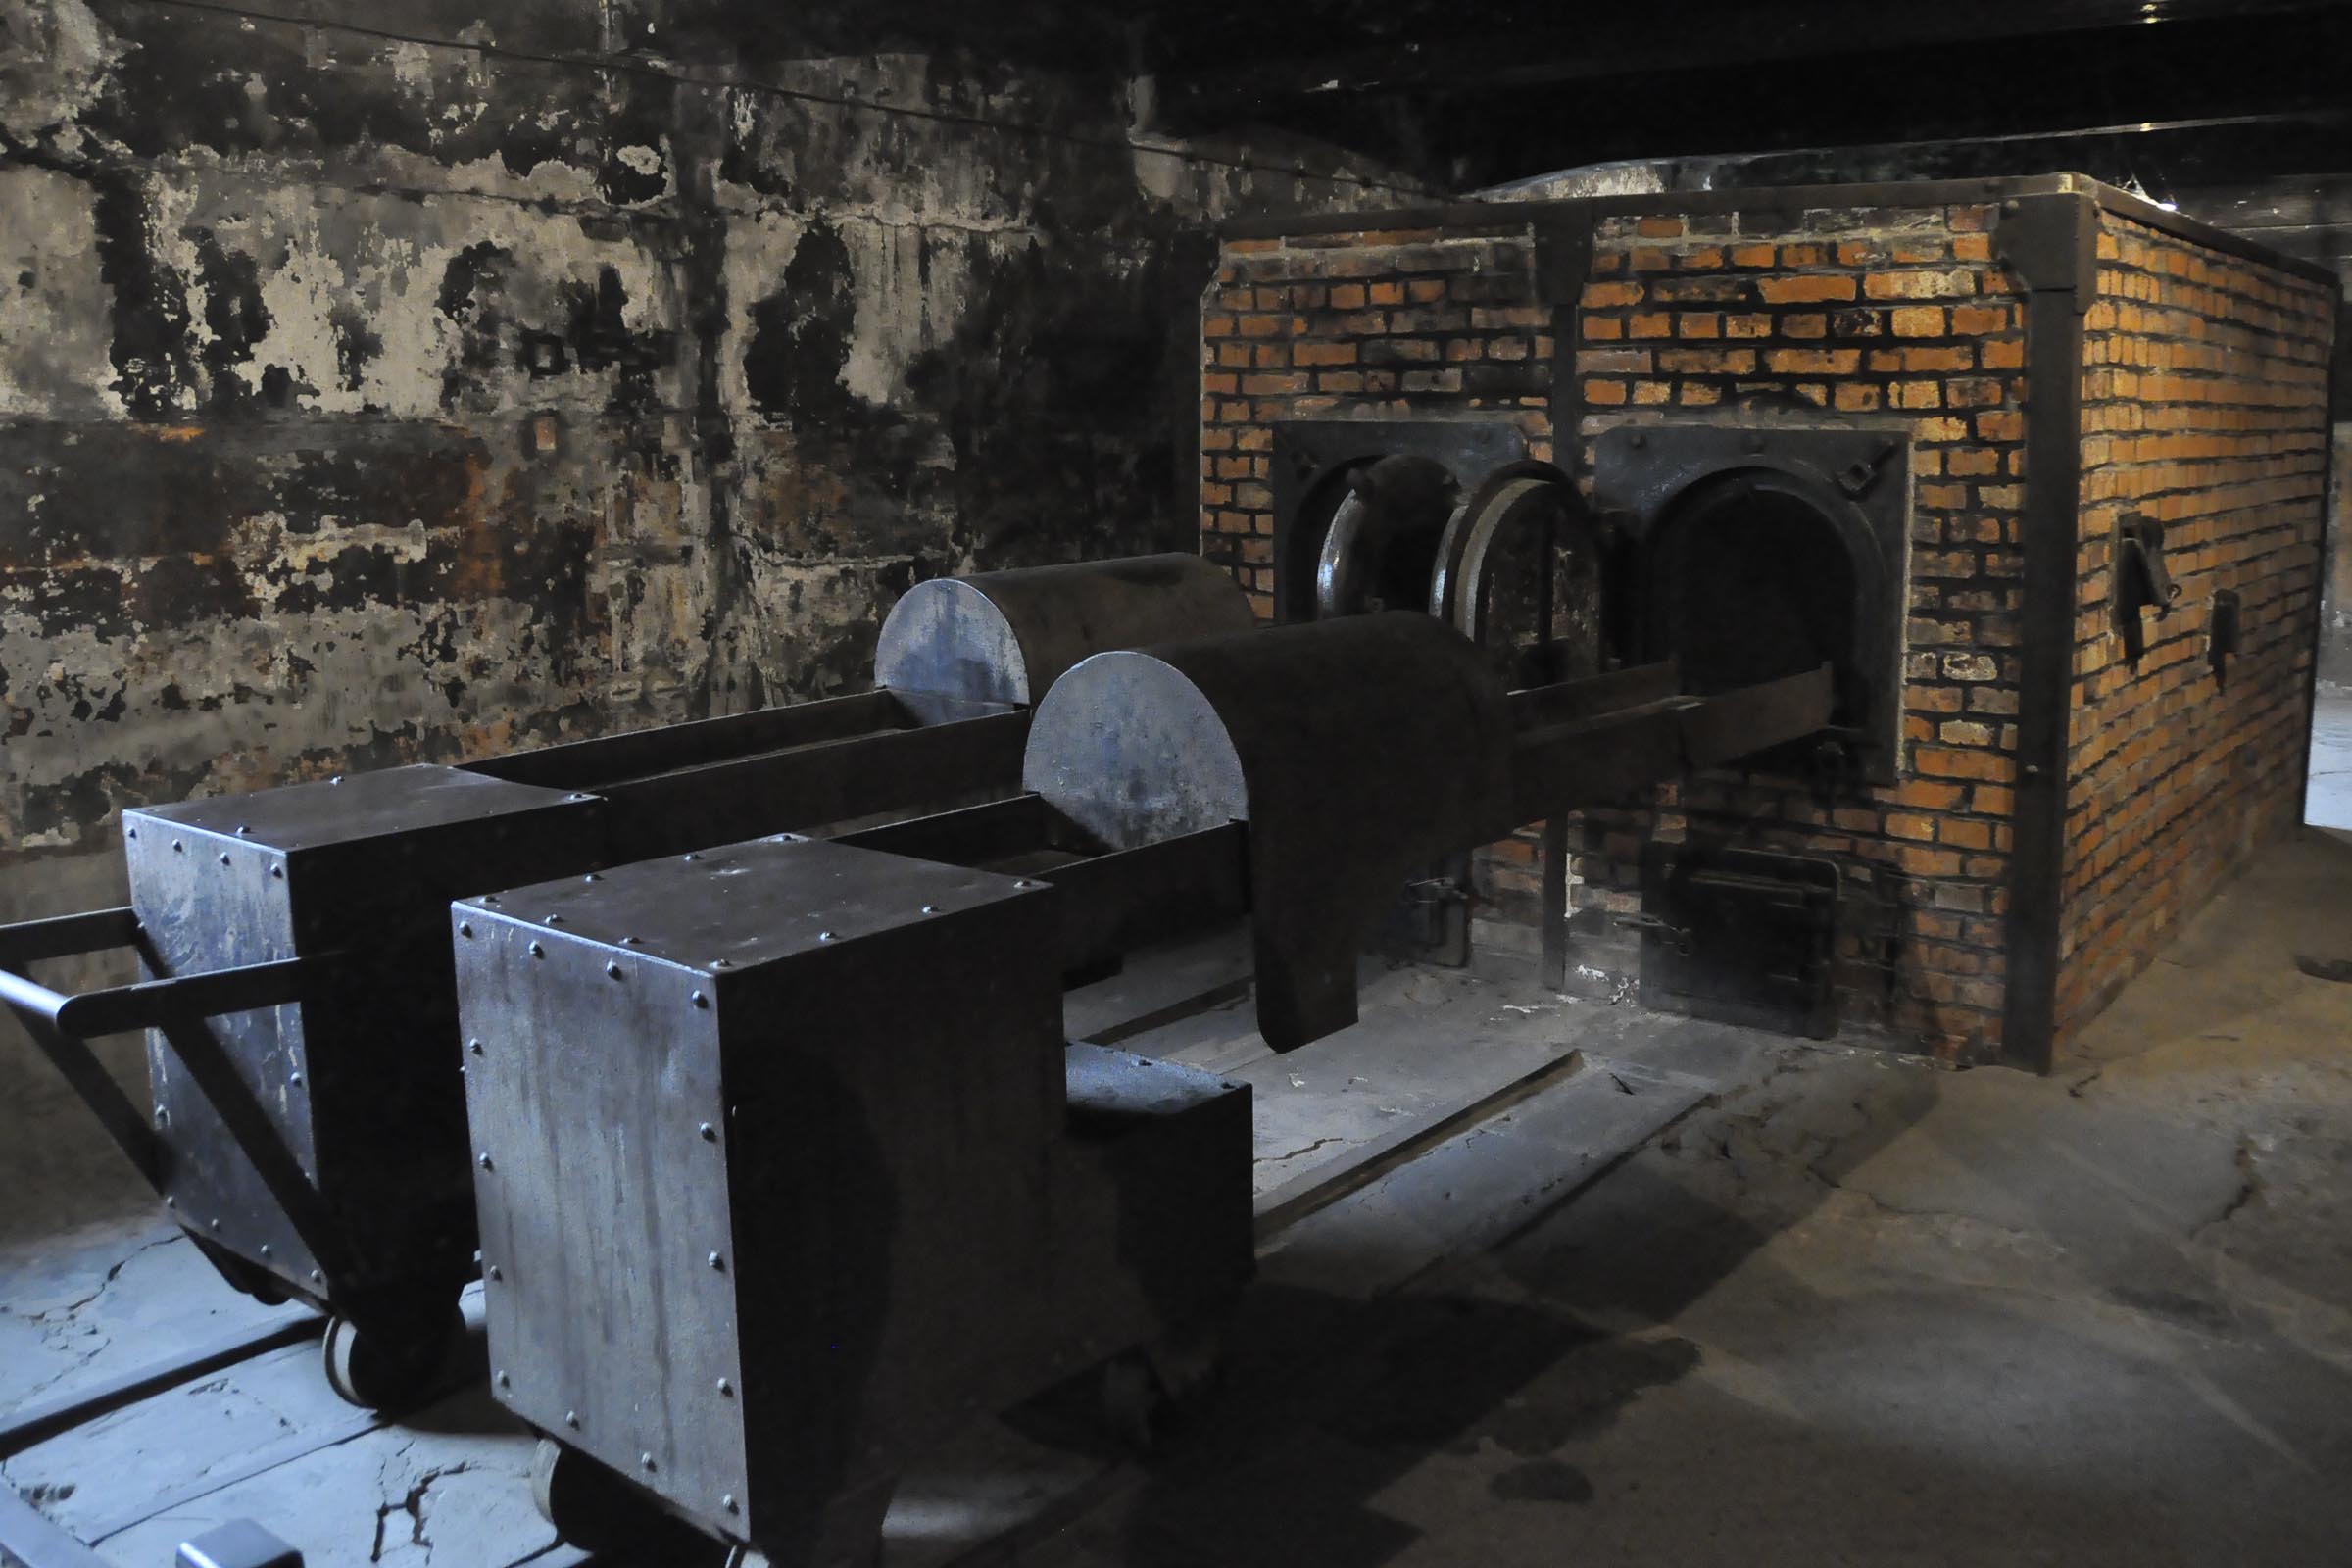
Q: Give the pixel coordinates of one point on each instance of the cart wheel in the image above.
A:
(1150, 1392)
(242, 1275)
(380, 1370)
(597, 1512)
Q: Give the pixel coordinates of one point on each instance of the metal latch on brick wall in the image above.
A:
(2221, 633)
(2141, 582)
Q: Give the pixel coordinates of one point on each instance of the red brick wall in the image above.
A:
(1371, 324)
(1886, 314)
(1881, 314)
(2204, 392)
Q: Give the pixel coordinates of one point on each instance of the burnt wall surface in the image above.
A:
(2205, 407)
(567, 367)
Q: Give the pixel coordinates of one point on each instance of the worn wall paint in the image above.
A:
(365, 401)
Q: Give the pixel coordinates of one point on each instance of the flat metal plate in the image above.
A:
(743, 906)
(791, 1136)
(197, 914)
(359, 1084)
(353, 807)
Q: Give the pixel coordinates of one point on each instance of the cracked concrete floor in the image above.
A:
(1856, 1310)
(1863, 1312)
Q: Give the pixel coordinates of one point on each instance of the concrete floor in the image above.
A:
(1864, 1311)
(1850, 1309)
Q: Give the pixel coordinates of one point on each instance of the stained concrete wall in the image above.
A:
(366, 400)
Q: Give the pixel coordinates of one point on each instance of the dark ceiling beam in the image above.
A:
(2253, 73)
(1487, 45)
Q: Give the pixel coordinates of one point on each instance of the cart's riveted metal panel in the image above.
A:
(761, 1212)
(353, 1081)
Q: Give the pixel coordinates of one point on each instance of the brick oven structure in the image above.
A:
(2012, 411)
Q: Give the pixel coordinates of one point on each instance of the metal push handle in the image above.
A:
(62, 1024)
(146, 1005)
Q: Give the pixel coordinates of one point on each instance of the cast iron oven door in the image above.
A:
(1320, 473)
(1743, 936)
(1751, 551)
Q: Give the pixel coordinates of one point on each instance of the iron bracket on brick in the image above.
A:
(2051, 242)
(1563, 257)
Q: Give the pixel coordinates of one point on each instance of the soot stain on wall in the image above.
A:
(454, 402)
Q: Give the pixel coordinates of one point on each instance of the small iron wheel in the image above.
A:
(242, 1274)
(378, 1370)
(598, 1511)
(1151, 1392)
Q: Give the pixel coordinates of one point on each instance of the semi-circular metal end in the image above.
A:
(1006, 636)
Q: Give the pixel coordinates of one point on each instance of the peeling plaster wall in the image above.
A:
(365, 401)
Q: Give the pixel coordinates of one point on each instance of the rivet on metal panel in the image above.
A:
(503, 1381)
(1026, 883)
(295, 1079)
(278, 871)
(693, 855)
(698, 1000)
(593, 876)
(224, 857)
(490, 899)
(484, 1161)
(474, 1046)
(613, 971)
(130, 832)
(178, 847)
(824, 935)
(632, 941)
(163, 1117)
(718, 1262)
(493, 1273)
(555, 919)
(265, 1248)
(571, 1419)
(930, 909)
(464, 928)
(722, 964)
(727, 1502)
(170, 1201)
(338, 779)
(709, 1132)
(243, 831)
(726, 1390)
(577, 794)
(538, 952)
(317, 1278)
(215, 1223)
(646, 1459)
